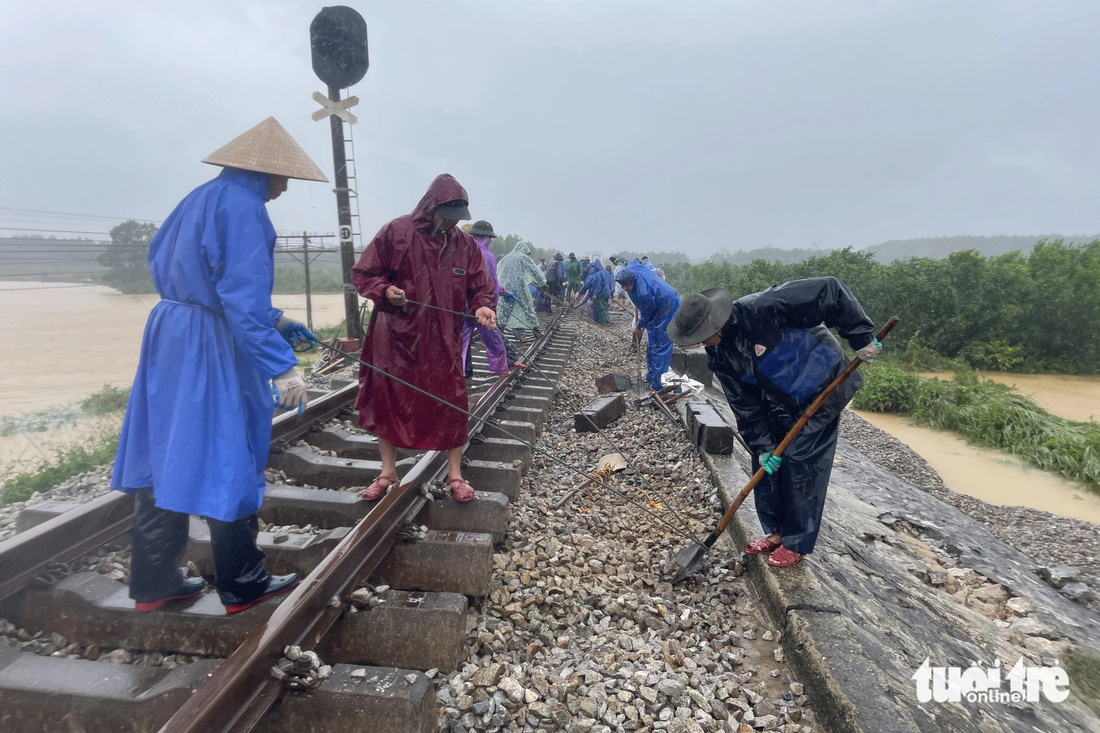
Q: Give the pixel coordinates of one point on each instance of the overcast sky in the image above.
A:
(588, 124)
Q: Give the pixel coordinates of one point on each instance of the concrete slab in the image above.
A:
(382, 701)
(41, 512)
(609, 383)
(514, 428)
(350, 445)
(503, 478)
(324, 508)
(450, 562)
(51, 694)
(602, 411)
(708, 429)
(286, 552)
(504, 450)
(328, 471)
(488, 513)
(411, 629)
(521, 414)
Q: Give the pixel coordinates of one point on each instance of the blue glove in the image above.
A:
(295, 332)
(510, 297)
(770, 463)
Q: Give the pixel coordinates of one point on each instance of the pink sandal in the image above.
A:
(379, 487)
(461, 490)
(763, 544)
(784, 558)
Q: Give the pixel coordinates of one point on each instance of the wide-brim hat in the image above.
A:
(700, 316)
(482, 228)
(267, 148)
(457, 210)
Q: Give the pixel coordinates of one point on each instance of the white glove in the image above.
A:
(289, 390)
(870, 351)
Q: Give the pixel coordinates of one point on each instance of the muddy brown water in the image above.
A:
(64, 343)
(990, 475)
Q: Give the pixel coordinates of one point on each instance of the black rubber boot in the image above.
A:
(276, 584)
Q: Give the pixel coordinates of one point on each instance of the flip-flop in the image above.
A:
(377, 488)
(461, 490)
(761, 545)
(784, 558)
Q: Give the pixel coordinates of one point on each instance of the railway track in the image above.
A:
(382, 603)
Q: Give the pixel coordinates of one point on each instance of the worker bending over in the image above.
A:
(773, 354)
(657, 303)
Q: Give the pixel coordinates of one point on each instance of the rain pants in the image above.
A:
(198, 422)
(775, 357)
(657, 303)
(495, 350)
(422, 346)
(517, 273)
(573, 278)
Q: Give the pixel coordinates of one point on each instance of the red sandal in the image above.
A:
(379, 487)
(784, 558)
(461, 490)
(763, 544)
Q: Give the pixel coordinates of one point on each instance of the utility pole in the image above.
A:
(338, 45)
(309, 295)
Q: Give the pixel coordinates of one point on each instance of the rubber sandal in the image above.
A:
(461, 490)
(784, 558)
(504, 375)
(519, 365)
(762, 545)
(377, 489)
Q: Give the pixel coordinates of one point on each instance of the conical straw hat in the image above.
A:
(267, 148)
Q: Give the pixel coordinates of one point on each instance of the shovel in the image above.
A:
(690, 560)
(609, 464)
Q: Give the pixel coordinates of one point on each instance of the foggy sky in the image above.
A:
(691, 126)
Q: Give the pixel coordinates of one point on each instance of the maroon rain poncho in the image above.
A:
(421, 345)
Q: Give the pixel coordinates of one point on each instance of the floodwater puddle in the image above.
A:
(990, 475)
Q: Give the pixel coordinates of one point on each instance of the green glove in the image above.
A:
(770, 463)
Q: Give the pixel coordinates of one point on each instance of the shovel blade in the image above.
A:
(688, 562)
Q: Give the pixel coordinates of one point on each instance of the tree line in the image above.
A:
(1011, 312)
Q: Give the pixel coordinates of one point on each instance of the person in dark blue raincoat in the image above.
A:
(597, 289)
(773, 354)
(198, 424)
(657, 303)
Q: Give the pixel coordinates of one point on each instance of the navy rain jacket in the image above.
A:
(777, 355)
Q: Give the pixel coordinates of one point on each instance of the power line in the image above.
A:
(82, 216)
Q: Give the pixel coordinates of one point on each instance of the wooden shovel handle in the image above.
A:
(793, 432)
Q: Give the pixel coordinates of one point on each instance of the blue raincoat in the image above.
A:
(657, 303)
(198, 423)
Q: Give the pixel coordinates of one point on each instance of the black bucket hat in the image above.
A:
(701, 315)
(482, 228)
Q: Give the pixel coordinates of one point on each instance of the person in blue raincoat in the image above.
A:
(198, 424)
(597, 289)
(773, 355)
(657, 303)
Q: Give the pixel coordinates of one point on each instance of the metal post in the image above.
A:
(343, 208)
(305, 262)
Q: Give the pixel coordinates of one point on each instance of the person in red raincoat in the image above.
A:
(420, 257)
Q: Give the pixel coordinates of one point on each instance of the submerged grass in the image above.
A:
(989, 414)
(1083, 670)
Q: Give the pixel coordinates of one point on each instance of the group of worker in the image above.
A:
(215, 355)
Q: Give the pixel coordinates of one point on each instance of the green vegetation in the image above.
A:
(107, 400)
(292, 279)
(1083, 670)
(127, 257)
(96, 451)
(1034, 313)
(989, 414)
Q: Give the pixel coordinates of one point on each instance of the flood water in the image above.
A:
(990, 475)
(63, 343)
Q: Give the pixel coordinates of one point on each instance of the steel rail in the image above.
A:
(75, 533)
(242, 690)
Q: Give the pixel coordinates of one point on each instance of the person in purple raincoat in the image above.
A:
(497, 353)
